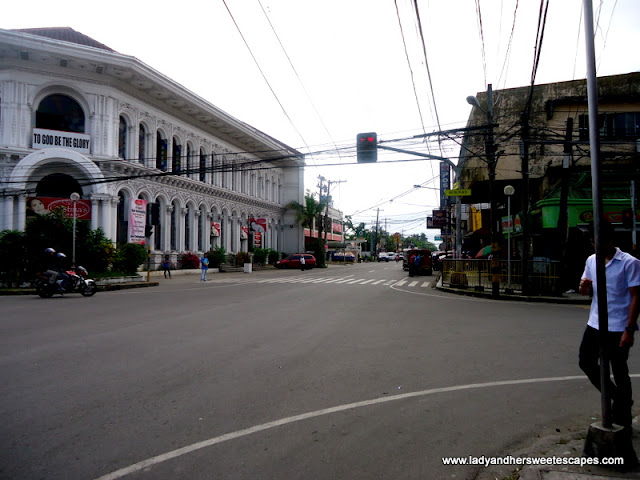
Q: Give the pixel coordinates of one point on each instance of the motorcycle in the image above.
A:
(77, 283)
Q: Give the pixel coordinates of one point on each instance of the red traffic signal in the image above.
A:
(367, 147)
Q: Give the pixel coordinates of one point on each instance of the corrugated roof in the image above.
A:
(65, 34)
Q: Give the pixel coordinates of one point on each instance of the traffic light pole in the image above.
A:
(456, 171)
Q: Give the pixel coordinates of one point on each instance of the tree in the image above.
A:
(305, 215)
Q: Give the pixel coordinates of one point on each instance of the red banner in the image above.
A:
(45, 205)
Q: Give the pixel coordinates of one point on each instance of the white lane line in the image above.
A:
(400, 283)
(367, 281)
(345, 280)
(136, 467)
(389, 282)
(332, 280)
(413, 284)
(378, 282)
(425, 284)
(355, 281)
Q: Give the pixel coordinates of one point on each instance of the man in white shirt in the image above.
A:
(623, 305)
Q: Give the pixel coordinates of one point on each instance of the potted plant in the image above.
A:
(244, 259)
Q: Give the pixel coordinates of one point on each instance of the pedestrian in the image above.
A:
(166, 266)
(622, 273)
(204, 264)
(302, 262)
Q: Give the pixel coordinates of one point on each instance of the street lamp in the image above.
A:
(491, 163)
(74, 198)
(508, 191)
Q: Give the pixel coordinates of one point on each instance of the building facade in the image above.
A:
(78, 117)
(547, 161)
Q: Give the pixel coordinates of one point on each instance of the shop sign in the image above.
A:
(45, 205)
(439, 218)
(41, 139)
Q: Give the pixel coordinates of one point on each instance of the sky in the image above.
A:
(315, 74)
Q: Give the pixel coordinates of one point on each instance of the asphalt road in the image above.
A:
(339, 373)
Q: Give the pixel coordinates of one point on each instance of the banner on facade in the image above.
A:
(215, 229)
(45, 205)
(137, 220)
(258, 224)
(41, 138)
(244, 233)
(257, 239)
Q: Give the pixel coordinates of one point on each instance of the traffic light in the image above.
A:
(367, 147)
(148, 230)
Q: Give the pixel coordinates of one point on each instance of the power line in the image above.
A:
(263, 75)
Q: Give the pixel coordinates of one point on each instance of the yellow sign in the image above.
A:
(458, 192)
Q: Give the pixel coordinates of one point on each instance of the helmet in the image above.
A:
(49, 250)
(60, 255)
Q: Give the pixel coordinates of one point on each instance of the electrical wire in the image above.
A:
(263, 74)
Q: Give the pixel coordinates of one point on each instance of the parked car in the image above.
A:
(293, 261)
(391, 256)
(383, 257)
(399, 256)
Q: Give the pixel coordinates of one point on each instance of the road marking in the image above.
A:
(136, 467)
(355, 281)
(376, 283)
(400, 283)
(389, 282)
(425, 284)
(344, 280)
(367, 281)
(413, 284)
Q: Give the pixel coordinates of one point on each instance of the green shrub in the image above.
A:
(216, 257)
(273, 257)
(129, 257)
(260, 255)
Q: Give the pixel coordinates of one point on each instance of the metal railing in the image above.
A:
(544, 276)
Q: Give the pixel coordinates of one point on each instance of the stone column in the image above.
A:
(7, 221)
(21, 217)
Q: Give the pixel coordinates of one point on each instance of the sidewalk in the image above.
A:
(563, 443)
(567, 298)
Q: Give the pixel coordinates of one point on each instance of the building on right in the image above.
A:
(545, 157)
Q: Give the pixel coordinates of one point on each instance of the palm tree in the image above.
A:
(305, 214)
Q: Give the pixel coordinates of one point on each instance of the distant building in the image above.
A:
(76, 116)
(559, 166)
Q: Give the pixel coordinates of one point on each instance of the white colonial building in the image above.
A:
(78, 117)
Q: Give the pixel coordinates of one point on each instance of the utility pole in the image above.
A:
(495, 232)
(526, 234)
(319, 244)
(567, 161)
(326, 214)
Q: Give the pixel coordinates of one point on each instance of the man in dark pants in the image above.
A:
(623, 305)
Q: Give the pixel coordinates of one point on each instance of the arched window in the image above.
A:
(188, 219)
(142, 146)
(122, 138)
(60, 112)
(162, 150)
(203, 166)
(176, 163)
(123, 224)
(175, 215)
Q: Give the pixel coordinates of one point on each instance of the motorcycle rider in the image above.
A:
(50, 264)
(59, 267)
